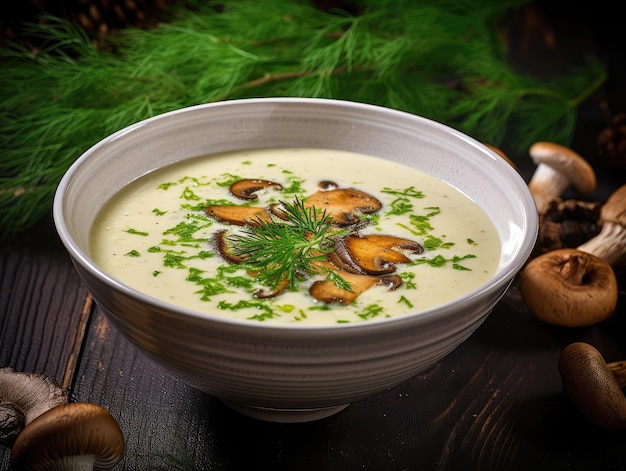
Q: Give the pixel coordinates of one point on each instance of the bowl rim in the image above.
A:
(500, 281)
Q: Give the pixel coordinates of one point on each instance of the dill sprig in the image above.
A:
(279, 251)
(442, 59)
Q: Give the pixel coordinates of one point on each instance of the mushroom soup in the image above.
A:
(302, 236)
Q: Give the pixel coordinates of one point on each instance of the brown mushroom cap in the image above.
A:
(610, 243)
(78, 432)
(558, 168)
(592, 385)
(568, 287)
(343, 204)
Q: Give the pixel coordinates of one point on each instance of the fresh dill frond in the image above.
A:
(281, 252)
(441, 59)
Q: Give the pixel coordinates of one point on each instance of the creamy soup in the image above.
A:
(160, 235)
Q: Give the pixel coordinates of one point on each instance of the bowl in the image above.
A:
(293, 373)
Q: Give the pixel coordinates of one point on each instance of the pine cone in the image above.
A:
(611, 143)
(99, 18)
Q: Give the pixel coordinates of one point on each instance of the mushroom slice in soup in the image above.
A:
(328, 292)
(238, 215)
(343, 204)
(373, 254)
(249, 188)
(221, 245)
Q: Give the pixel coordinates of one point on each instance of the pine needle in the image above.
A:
(440, 59)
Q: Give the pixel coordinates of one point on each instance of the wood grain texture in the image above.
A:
(495, 403)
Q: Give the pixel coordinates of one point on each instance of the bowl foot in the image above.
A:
(270, 414)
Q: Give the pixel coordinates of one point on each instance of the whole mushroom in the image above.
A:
(558, 169)
(610, 243)
(577, 287)
(594, 386)
(78, 436)
(569, 287)
(23, 397)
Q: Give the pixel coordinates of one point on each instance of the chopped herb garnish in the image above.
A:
(133, 253)
(285, 251)
(404, 300)
(407, 279)
(266, 311)
(136, 232)
(440, 261)
(410, 191)
(371, 311)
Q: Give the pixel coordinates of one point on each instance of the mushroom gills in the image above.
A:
(373, 254)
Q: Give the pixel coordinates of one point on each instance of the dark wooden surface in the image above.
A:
(495, 403)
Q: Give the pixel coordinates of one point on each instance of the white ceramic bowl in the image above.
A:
(277, 372)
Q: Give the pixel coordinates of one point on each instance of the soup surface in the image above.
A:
(164, 235)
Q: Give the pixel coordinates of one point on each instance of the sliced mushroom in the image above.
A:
(220, 239)
(373, 254)
(558, 169)
(25, 396)
(343, 204)
(326, 185)
(264, 293)
(238, 215)
(77, 435)
(594, 386)
(249, 189)
(569, 287)
(328, 292)
(610, 243)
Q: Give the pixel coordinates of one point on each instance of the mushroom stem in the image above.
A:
(610, 243)
(594, 386)
(558, 168)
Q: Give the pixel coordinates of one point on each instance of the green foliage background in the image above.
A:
(442, 59)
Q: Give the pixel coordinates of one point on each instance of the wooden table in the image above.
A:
(495, 403)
